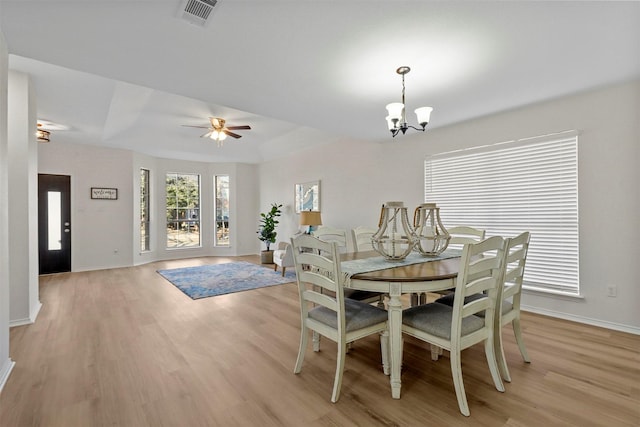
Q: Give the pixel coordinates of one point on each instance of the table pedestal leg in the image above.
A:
(395, 338)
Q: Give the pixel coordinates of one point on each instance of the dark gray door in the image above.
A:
(54, 223)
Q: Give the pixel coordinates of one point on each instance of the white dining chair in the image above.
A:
(463, 234)
(331, 234)
(517, 249)
(339, 235)
(508, 307)
(458, 327)
(362, 238)
(331, 315)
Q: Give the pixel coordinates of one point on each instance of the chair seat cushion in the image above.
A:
(435, 319)
(358, 315)
(448, 300)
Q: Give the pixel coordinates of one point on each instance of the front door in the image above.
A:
(54, 223)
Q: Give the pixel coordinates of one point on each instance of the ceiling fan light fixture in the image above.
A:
(218, 135)
(41, 134)
(218, 131)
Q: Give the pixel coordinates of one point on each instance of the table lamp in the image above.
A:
(310, 219)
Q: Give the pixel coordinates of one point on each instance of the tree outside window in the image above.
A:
(222, 210)
(183, 210)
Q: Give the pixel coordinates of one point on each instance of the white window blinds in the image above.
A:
(507, 188)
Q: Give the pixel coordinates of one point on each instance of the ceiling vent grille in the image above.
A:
(197, 11)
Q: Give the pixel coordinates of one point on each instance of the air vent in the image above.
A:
(197, 11)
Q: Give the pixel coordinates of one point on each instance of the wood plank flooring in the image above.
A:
(124, 347)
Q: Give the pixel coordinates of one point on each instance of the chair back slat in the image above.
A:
(475, 306)
(461, 235)
(330, 234)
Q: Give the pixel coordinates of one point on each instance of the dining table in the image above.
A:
(416, 275)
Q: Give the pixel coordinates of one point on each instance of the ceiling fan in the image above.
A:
(218, 131)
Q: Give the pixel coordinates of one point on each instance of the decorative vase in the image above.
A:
(395, 237)
(432, 237)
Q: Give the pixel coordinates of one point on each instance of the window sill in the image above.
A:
(551, 293)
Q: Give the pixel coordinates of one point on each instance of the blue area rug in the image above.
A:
(219, 279)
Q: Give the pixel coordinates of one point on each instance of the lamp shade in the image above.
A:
(423, 114)
(395, 109)
(390, 123)
(311, 218)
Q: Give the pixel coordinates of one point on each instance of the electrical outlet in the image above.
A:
(612, 290)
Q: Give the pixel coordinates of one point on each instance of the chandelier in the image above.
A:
(396, 119)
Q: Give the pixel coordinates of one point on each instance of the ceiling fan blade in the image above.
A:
(202, 127)
(247, 127)
(231, 134)
(206, 135)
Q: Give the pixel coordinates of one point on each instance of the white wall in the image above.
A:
(245, 202)
(100, 229)
(6, 364)
(242, 207)
(357, 177)
(106, 233)
(23, 194)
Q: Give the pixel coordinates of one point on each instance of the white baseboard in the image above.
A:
(586, 320)
(5, 371)
(35, 311)
(27, 321)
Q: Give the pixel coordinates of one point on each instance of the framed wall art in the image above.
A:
(307, 196)
(104, 193)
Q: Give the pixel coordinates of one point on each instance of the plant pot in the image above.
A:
(266, 257)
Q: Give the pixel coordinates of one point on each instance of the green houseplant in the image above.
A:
(267, 232)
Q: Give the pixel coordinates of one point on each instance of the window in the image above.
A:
(222, 210)
(183, 210)
(512, 187)
(144, 210)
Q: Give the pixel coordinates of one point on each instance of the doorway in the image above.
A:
(54, 223)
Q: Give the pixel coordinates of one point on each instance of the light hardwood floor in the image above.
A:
(124, 347)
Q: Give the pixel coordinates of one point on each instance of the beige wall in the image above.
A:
(357, 177)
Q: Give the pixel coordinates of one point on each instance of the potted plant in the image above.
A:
(267, 232)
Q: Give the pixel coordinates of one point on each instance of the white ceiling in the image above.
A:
(129, 74)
